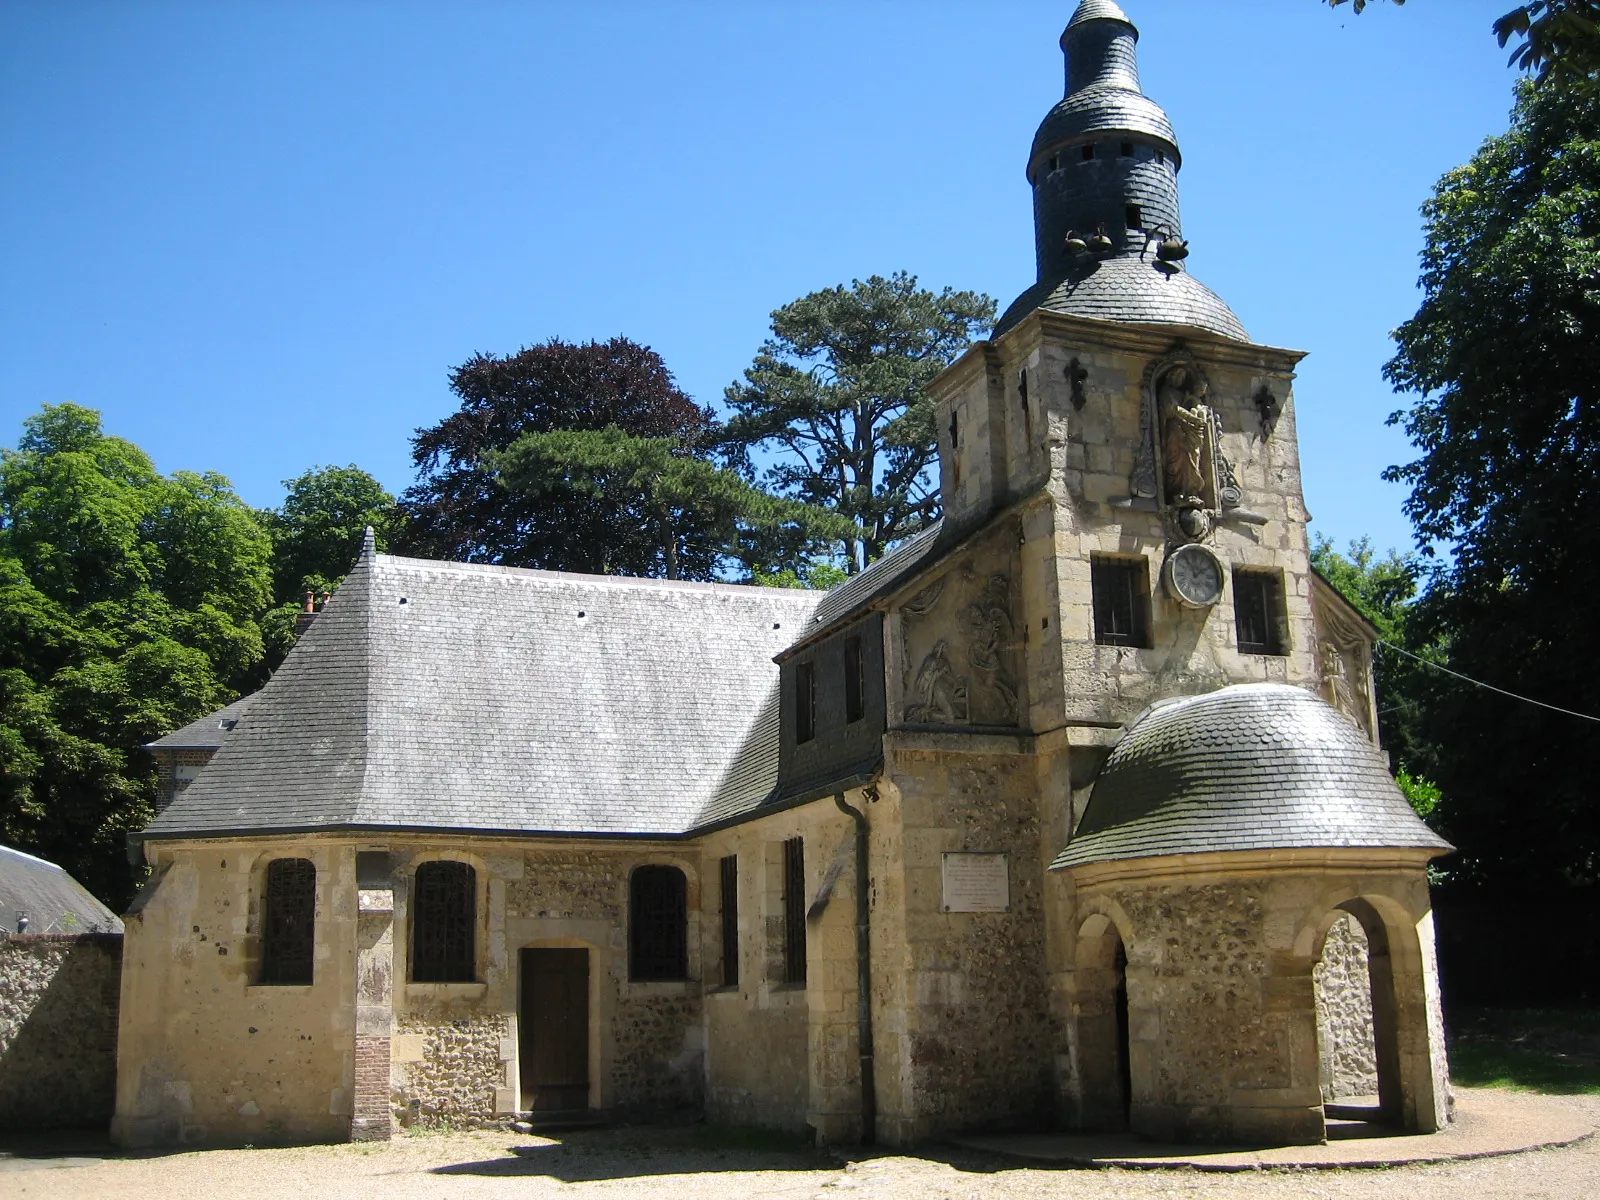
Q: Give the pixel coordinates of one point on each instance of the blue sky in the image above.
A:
(257, 235)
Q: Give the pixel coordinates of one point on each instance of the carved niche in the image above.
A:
(1180, 464)
(1344, 657)
(960, 649)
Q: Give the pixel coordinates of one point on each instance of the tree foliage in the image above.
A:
(130, 604)
(837, 397)
(665, 511)
(458, 509)
(1558, 37)
(1503, 358)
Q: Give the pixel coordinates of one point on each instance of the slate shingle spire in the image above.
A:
(1105, 161)
(1106, 157)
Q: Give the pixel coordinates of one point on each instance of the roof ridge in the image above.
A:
(537, 574)
(34, 858)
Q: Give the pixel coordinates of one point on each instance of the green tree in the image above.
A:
(316, 536)
(458, 509)
(662, 510)
(836, 396)
(1503, 359)
(129, 605)
(1558, 37)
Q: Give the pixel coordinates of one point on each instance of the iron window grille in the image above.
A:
(658, 924)
(444, 911)
(730, 920)
(1258, 613)
(794, 910)
(855, 681)
(805, 702)
(1121, 589)
(289, 920)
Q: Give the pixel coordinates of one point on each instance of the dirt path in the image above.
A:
(701, 1165)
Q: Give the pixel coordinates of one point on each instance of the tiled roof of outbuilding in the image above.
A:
(439, 695)
(1249, 767)
(208, 732)
(53, 901)
(1129, 289)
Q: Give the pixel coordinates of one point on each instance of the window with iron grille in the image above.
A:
(1121, 589)
(288, 921)
(444, 923)
(805, 702)
(1258, 613)
(730, 920)
(658, 924)
(855, 681)
(794, 910)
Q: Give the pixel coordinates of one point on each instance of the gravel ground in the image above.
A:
(702, 1164)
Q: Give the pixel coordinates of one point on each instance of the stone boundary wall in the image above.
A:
(58, 1029)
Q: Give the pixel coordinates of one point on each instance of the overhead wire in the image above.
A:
(1488, 686)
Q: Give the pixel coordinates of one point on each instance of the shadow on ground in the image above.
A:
(592, 1155)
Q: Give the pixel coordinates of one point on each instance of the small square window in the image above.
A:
(1127, 149)
(1258, 612)
(805, 702)
(1134, 216)
(1088, 152)
(1121, 589)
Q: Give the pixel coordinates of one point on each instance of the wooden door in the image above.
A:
(554, 1022)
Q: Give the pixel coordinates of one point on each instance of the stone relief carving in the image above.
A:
(941, 693)
(958, 647)
(987, 624)
(1344, 654)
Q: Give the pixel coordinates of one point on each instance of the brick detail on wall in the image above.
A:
(370, 1120)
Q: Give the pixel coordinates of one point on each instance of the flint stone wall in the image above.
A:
(58, 1029)
(453, 1082)
(1348, 1063)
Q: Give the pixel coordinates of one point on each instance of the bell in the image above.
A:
(1075, 244)
(1172, 250)
(1100, 244)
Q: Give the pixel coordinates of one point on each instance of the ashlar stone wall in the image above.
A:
(58, 1029)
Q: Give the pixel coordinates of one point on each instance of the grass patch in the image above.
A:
(1553, 1051)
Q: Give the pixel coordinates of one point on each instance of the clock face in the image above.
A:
(1194, 576)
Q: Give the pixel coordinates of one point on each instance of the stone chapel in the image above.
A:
(1067, 813)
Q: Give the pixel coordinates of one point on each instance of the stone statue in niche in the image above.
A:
(1343, 683)
(987, 625)
(1180, 464)
(941, 693)
(1185, 437)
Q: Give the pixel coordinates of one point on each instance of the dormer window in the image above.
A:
(855, 681)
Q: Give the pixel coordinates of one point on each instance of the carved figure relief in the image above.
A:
(1344, 655)
(987, 625)
(1186, 438)
(959, 647)
(941, 693)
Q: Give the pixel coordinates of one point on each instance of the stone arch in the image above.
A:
(1101, 1018)
(1407, 1033)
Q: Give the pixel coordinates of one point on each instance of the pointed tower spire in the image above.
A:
(369, 543)
(1104, 172)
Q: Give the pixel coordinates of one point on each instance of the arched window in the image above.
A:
(288, 921)
(444, 924)
(658, 924)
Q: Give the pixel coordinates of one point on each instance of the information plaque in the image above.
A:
(976, 883)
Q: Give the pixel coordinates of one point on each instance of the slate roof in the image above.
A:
(1129, 289)
(1105, 110)
(860, 590)
(1098, 10)
(431, 695)
(54, 901)
(209, 732)
(1249, 767)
